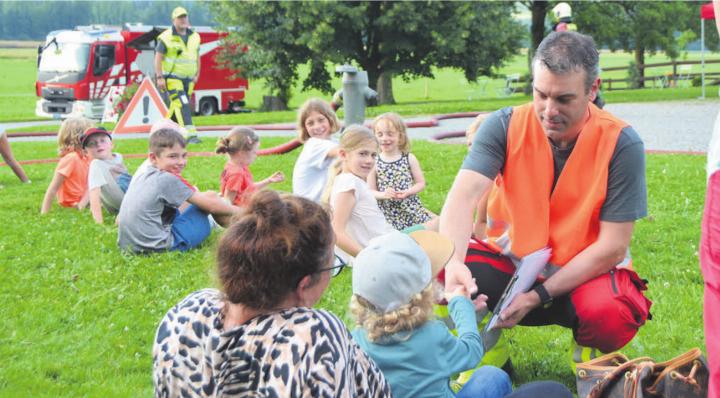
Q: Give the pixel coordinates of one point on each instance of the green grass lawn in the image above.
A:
(448, 92)
(80, 317)
(17, 84)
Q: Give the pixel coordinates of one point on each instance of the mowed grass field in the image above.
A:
(18, 73)
(448, 92)
(79, 317)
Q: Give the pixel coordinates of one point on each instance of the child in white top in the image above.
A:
(397, 177)
(108, 178)
(317, 122)
(356, 215)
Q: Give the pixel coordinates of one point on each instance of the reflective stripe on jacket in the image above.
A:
(180, 59)
(525, 214)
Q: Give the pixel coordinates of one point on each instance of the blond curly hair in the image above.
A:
(406, 318)
(68, 137)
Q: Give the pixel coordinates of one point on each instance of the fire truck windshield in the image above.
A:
(65, 57)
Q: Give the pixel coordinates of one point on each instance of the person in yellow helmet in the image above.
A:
(177, 68)
(562, 15)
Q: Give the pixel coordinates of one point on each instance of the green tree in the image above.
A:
(538, 10)
(643, 27)
(266, 43)
(384, 38)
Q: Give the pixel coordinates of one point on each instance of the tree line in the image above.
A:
(34, 20)
(271, 40)
(408, 39)
(384, 38)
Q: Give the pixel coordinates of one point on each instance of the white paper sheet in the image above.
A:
(524, 277)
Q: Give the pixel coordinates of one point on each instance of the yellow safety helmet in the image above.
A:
(179, 12)
(562, 10)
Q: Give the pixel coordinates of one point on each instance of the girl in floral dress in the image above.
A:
(397, 177)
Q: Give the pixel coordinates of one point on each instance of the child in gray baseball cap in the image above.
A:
(392, 303)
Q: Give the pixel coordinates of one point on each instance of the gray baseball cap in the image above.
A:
(395, 266)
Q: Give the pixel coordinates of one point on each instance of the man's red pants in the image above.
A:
(603, 313)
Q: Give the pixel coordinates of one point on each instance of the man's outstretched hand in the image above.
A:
(457, 275)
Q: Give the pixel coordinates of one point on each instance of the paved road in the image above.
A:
(669, 126)
(673, 126)
(677, 125)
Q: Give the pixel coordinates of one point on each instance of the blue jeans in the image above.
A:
(190, 228)
(541, 389)
(123, 181)
(486, 382)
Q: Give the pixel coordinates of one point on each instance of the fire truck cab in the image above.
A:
(78, 68)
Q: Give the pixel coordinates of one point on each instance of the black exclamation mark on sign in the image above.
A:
(146, 105)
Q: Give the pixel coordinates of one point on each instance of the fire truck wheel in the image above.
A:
(208, 106)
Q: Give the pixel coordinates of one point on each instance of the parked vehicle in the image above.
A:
(78, 68)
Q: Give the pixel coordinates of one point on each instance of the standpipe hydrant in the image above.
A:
(354, 94)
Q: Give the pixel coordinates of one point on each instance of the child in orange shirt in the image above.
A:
(236, 181)
(70, 181)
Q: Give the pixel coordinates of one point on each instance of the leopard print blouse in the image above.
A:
(297, 352)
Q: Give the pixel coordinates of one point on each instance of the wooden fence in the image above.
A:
(678, 75)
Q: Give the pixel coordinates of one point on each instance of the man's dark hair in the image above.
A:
(564, 52)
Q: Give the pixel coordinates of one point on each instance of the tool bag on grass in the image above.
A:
(615, 376)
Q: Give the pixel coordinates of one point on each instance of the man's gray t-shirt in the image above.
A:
(148, 210)
(626, 198)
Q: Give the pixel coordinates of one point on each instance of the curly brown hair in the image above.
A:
(276, 241)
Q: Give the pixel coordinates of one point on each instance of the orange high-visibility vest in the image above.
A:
(525, 214)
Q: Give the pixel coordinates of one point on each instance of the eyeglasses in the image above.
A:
(335, 270)
(337, 267)
(91, 144)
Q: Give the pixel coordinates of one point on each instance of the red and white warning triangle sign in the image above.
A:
(145, 108)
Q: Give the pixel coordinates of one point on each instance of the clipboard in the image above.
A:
(526, 272)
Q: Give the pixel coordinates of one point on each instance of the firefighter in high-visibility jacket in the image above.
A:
(177, 68)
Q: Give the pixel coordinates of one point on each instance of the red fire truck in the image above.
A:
(78, 68)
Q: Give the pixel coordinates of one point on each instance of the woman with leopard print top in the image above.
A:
(260, 336)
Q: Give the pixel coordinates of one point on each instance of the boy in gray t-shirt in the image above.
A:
(161, 211)
(108, 178)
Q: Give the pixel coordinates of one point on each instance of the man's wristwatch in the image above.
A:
(545, 298)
